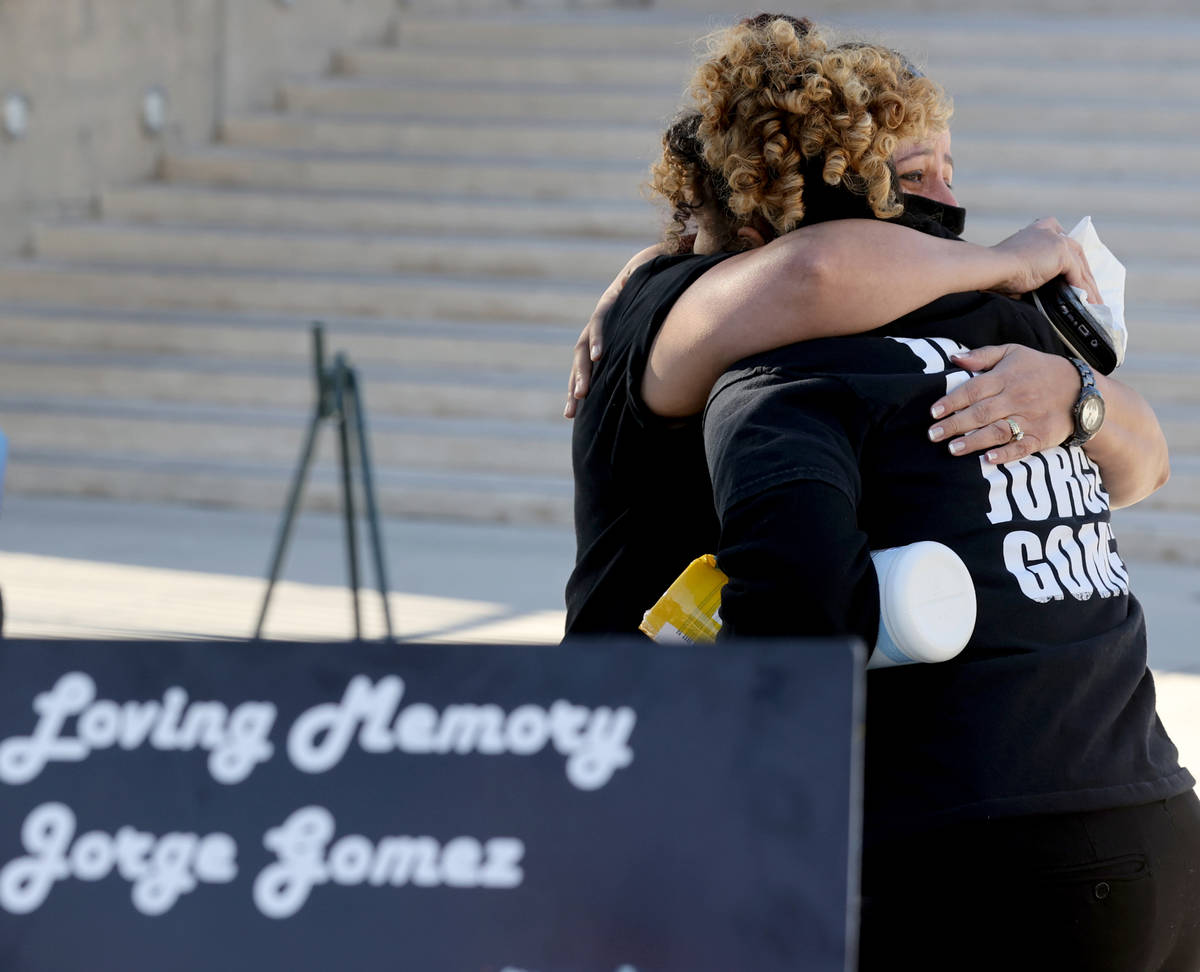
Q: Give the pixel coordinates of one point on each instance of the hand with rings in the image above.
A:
(1018, 402)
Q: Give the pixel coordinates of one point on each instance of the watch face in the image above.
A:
(1091, 414)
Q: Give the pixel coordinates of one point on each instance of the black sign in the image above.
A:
(619, 807)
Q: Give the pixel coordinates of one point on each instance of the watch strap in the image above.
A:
(1087, 389)
(1087, 377)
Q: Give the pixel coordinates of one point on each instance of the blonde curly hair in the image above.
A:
(780, 109)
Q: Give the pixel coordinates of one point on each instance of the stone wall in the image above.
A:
(84, 67)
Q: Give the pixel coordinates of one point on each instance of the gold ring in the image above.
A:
(1017, 434)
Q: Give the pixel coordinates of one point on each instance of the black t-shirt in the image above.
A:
(818, 454)
(643, 502)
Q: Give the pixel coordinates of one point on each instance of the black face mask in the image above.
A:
(823, 203)
(919, 210)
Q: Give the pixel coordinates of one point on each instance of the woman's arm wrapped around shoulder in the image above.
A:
(842, 277)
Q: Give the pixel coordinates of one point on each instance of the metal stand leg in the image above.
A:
(289, 517)
(354, 401)
(345, 447)
(338, 396)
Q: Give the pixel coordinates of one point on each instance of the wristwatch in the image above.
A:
(1089, 407)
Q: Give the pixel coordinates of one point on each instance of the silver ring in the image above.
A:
(1017, 434)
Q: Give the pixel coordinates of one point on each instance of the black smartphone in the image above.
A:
(1074, 323)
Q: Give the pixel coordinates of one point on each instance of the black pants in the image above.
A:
(1107, 890)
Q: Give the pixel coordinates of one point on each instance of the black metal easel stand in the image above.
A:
(338, 398)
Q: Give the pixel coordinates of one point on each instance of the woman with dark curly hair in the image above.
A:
(1024, 808)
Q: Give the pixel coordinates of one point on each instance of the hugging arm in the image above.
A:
(837, 278)
(798, 562)
(851, 275)
(840, 277)
(798, 565)
(590, 345)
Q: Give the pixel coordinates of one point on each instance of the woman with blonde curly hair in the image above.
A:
(1023, 795)
(683, 319)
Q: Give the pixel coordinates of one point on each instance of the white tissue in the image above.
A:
(1110, 278)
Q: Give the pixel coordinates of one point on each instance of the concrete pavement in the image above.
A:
(182, 571)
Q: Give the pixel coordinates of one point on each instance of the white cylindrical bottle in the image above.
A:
(926, 604)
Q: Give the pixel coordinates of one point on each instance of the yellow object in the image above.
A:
(690, 610)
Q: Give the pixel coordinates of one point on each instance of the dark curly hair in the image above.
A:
(684, 179)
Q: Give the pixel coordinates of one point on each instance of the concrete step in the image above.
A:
(444, 175)
(577, 259)
(222, 433)
(1178, 419)
(380, 211)
(1145, 534)
(1082, 117)
(182, 280)
(1093, 155)
(1127, 197)
(976, 108)
(1163, 378)
(1084, 10)
(1108, 199)
(516, 64)
(1040, 109)
(1092, 152)
(524, 139)
(325, 250)
(627, 31)
(1126, 237)
(482, 346)
(1151, 282)
(490, 346)
(611, 102)
(1174, 281)
(920, 34)
(1154, 327)
(635, 222)
(35, 337)
(403, 391)
(671, 68)
(311, 294)
(1182, 492)
(260, 485)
